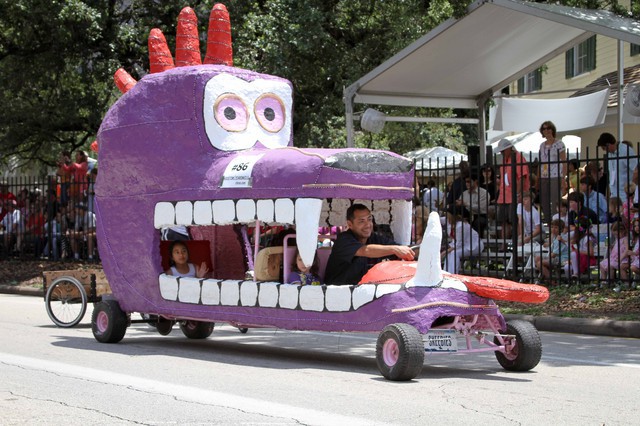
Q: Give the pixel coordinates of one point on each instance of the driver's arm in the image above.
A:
(378, 250)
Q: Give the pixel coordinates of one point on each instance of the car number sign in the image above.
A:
(238, 172)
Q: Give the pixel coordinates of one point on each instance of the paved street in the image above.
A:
(63, 376)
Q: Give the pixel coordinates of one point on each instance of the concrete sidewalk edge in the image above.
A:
(598, 327)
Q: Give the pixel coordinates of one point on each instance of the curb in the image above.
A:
(21, 290)
(598, 327)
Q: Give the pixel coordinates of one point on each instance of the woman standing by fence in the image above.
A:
(553, 155)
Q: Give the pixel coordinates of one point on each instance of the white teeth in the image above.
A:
(401, 224)
(265, 211)
(189, 290)
(164, 215)
(280, 211)
(224, 212)
(249, 293)
(307, 214)
(246, 211)
(202, 213)
(284, 210)
(338, 298)
(315, 298)
(312, 298)
(168, 287)
(184, 213)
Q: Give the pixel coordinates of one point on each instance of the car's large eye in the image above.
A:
(269, 111)
(231, 113)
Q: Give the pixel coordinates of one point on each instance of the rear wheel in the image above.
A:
(66, 301)
(400, 352)
(196, 329)
(108, 322)
(524, 351)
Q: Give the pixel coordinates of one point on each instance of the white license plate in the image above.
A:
(441, 341)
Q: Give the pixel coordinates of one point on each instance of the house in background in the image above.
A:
(588, 67)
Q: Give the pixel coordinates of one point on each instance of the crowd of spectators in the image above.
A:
(562, 210)
(56, 221)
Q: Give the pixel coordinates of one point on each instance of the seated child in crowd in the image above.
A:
(529, 225)
(615, 210)
(563, 212)
(582, 249)
(301, 274)
(465, 241)
(618, 258)
(180, 266)
(558, 250)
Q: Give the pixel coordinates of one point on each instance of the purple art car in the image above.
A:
(209, 147)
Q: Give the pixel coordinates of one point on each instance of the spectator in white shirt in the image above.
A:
(476, 200)
(529, 228)
(432, 197)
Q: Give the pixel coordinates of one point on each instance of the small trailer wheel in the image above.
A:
(66, 301)
(400, 352)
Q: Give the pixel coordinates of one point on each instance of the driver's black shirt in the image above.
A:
(343, 267)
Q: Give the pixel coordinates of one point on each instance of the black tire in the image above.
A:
(400, 352)
(526, 352)
(66, 301)
(164, 325)
(108, 322)
(196, 329)
(243, 330)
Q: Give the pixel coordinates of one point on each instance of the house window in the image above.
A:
(582, 58)
(635, 49)
(530, 82)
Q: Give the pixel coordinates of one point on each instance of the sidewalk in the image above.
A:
(598, 327)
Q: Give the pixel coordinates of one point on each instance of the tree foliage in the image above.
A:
(57, 59)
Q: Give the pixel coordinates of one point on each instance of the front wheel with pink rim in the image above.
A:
(400, 352)
(522, 346)
(108, 322)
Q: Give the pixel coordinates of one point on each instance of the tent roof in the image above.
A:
(462, 60)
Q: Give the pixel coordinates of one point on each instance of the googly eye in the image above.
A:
(270, 113)
(231, 113)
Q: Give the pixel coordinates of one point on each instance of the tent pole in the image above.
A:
(620, 86)
(348, 106)
(482, 128)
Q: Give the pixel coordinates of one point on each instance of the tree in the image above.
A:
(57, 59)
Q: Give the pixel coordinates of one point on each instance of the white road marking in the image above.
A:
(186, 393)
(588, 362)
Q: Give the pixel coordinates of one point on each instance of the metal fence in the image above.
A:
(552, 221)
(536, 231)
(49, 218)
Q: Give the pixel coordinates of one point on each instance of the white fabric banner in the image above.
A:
(519, 115)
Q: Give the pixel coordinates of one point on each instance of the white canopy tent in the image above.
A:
(528, 144)
(462, 62)
(437, 159)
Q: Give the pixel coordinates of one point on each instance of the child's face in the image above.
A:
(180, 254)
(563, 209)
(636, 227)
(526, 202)
(300, 263)
(573, 205)
(555, 229)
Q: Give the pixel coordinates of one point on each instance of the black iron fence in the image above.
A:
(49, 218)
(517, 216)
(556, 219)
